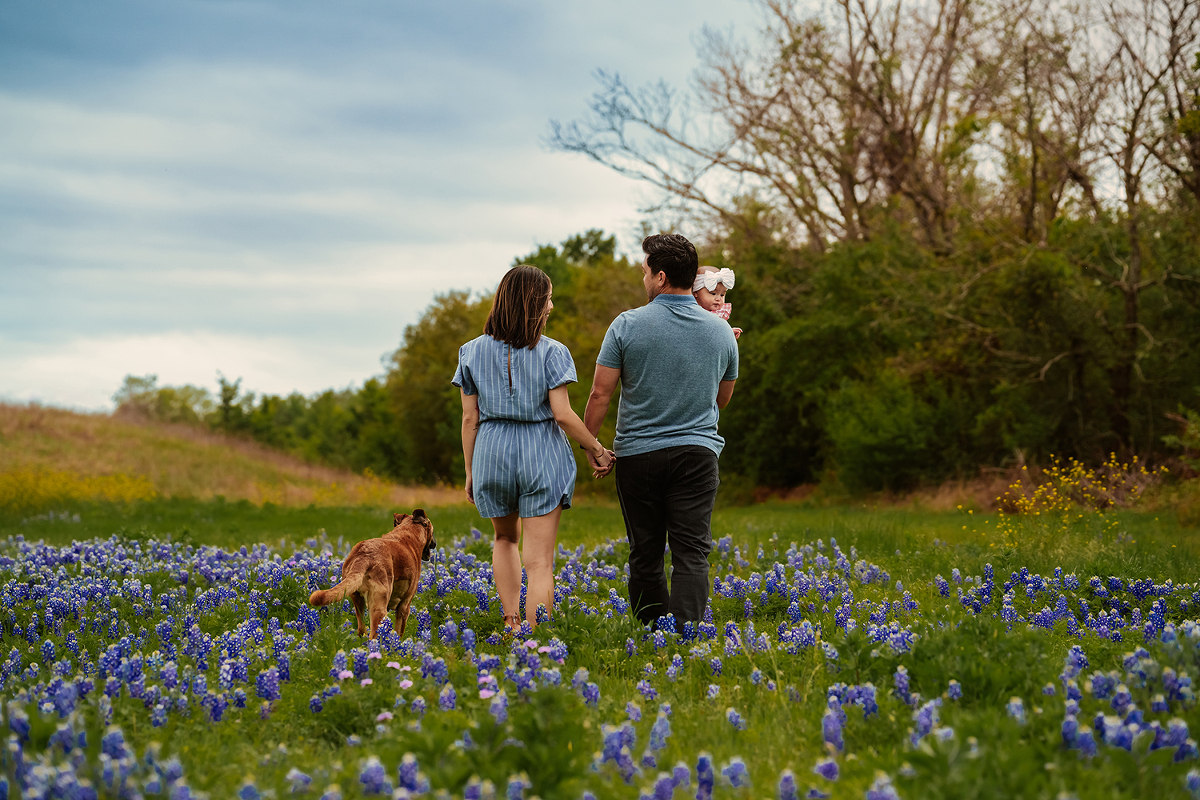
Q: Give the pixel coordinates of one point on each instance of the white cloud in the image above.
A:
(281, 205)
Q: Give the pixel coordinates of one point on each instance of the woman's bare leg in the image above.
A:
(540, 537)
(506, 564)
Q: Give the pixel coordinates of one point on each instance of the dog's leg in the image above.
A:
(377, 604)
(360, 606)
(402, 617)
(402, 610)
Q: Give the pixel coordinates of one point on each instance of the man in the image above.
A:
(677, 364)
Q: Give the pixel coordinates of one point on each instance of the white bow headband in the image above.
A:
(709, 280)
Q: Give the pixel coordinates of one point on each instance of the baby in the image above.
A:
(709, 289)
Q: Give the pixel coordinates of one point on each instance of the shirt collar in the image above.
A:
(681, 299)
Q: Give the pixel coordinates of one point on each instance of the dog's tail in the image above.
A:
(335, 594)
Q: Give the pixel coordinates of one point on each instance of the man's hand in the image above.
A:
(603, 465)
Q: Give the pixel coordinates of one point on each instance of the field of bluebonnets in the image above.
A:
(165, 650)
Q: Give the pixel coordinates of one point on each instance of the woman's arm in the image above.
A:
(470, 428)
(573, 426)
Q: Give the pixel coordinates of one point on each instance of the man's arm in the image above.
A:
(603, 386)
(724, 392)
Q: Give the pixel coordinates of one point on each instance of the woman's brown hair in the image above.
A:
(520, 307)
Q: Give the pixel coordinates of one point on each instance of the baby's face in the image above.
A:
(711, 301)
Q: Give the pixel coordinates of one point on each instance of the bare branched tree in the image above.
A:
(1049, 116)
(836, 117)
(1151, 43)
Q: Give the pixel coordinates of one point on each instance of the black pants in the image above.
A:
(667, 496)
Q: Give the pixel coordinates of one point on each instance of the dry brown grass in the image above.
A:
(182, 461)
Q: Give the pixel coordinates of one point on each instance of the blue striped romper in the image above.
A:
(522, 461)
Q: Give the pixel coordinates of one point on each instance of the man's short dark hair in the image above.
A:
(674, 255)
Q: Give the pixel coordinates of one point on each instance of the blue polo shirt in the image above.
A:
(672, 355)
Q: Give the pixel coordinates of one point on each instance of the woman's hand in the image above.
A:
(737, 333)
(602, 462)
(470, 491)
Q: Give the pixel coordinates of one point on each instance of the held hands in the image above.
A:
(602, 463)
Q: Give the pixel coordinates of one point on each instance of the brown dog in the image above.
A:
(382, 574)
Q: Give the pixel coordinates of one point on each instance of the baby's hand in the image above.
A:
(737, 333)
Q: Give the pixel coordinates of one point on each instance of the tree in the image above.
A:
(838, 117)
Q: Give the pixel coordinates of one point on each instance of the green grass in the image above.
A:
(990, 756)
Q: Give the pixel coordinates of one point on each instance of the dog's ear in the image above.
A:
(419, 514)
(397, 519)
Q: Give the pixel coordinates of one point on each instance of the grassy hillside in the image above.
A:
(50, 454)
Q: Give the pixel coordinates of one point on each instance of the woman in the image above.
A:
(513, 382)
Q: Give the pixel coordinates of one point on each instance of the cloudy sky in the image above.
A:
(275, 189)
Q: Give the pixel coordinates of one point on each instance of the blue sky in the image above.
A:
(275, 189)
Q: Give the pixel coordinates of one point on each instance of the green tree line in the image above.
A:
(865, 362)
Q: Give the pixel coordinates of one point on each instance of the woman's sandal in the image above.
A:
(515, 627)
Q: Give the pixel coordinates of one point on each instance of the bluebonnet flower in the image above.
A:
(787, 786)
(418, 706)
(647, 691)
(713, 691)
(715, 666)
(900, 679)
(374, 778)
(517, 784)
(664, 787)
(831, 730)
(660, 731)
(408, 774)
(298, 782)
(339, 664)
(1121, 699)
(591, 694)
(736, 773)
(266, 686)
(448, 698)
(1070, 731)
(633, 711)
(704, 777)
(827, 768)
(1085, 741)
(882, 789)
(1016, 709)
(499, 706)
(955, 690)
(735, 719)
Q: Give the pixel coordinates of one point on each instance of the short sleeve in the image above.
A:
(462, 375)
(560, 367)
(611, 349)
(731, 368)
